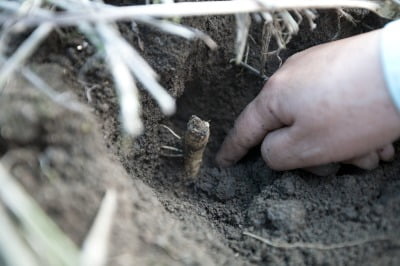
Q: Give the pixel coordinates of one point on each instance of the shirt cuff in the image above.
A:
(390, 56)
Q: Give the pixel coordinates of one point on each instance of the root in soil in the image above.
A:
(195, 141)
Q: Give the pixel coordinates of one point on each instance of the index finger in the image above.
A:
(252, 125)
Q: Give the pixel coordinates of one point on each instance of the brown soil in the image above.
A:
(67, 161)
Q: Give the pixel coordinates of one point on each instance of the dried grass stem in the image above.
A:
(185, 9)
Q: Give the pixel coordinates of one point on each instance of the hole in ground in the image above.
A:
(223, 195)
(310, 209)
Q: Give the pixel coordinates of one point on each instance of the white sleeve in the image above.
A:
(390, 57)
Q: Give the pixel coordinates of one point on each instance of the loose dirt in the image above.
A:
(67, 160)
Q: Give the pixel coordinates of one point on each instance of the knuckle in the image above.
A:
(238, 139)
(243, 143)
(273, 95)
(267, 155)
(270, 100)
(238, 136)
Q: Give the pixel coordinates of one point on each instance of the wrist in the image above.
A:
(390, 60)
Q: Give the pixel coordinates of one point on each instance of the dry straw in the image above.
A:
(30, 238)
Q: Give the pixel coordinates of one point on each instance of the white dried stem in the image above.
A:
(127, 92)
(10, 6)
(166, 147)
(311, 16)
(125, 84)
(267, 17)
(21, 8)
(101, 36)
(139, 67)
(171, 155)
(28, 5)
(63, 99)
(166, 26)
(277, 33)
(134, 57)
(182, 9)
(318, 246)
(24, 51)
(95, 247)
(42, 233)
(14, 249)
(105, 35)
(299, 17)
(179, 30)
(266, 40)
(134, 62)
(290, 22)
(346, 15)
(257, 17)
(243, 22)
(171, 131)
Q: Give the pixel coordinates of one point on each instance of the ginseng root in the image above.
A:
(195, 142)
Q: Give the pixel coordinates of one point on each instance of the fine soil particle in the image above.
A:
(67, 160)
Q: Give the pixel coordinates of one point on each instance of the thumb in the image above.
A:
(276, 150)
(288, 148)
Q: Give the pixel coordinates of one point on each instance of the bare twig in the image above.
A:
(165, 147)
(251, 69)
(285, 245)
(171, 155)
(266, 39)
(171, 131)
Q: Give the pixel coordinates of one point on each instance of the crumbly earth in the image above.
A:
(67, 160)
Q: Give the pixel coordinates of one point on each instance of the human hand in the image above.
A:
(326, 104)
